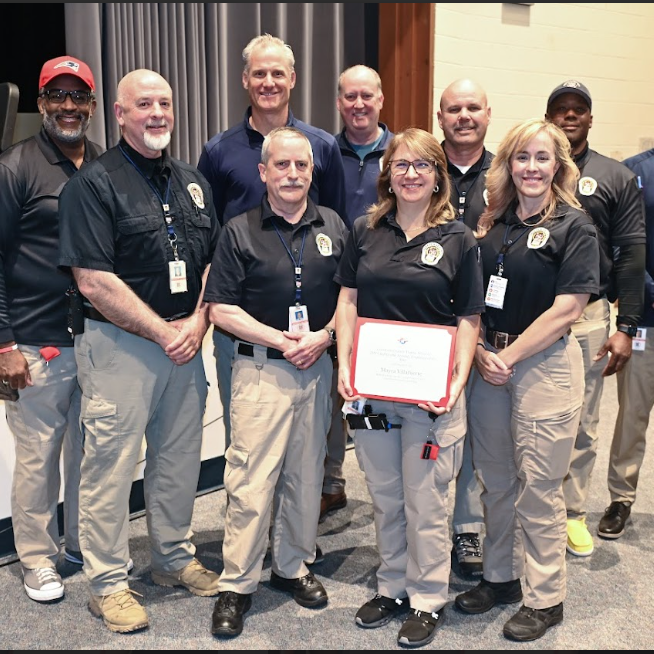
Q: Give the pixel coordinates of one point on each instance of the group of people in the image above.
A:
(115, 264)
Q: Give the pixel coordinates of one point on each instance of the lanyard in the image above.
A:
(172, 237)
(462, 194)
(506, 244)
(296, 264)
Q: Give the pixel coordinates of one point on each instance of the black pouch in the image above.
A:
(7, 393)
(75, 311)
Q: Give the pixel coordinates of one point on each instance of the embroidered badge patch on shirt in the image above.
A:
(196, 194)
(431, 253)
(324, 244)
(587, 185)
(537, 238)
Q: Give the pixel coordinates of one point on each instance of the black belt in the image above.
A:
(247, 350)
(500, 340)
(93, 314)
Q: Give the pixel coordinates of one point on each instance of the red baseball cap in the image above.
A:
(66, 66)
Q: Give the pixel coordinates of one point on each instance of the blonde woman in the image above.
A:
(540, 261)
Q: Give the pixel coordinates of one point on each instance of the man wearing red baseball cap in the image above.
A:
(36, 347)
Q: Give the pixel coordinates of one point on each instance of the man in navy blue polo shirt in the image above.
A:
(229, 161)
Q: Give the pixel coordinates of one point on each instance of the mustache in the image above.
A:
(163, 124)
(293, 185)
(68, 114)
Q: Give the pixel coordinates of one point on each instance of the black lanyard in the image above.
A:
(172, 237)
(506, 244)
(462, 194)
(296, 264)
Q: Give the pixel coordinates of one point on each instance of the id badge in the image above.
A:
(177, 276)
(496, 291)
(298, 319)
(639, 340)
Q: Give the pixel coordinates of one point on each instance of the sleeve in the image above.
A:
(86, 226)
(209, 167)
(628, 217)
(629, 269)
(468, 287)
(11, 203)
(332, 182)
(227, 272)
(346, 273)
(579, 268)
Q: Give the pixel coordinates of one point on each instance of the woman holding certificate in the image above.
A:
(408, 260)
(541, 263)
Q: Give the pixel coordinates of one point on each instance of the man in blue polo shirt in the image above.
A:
(229, 161)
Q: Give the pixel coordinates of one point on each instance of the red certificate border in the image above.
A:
(355, 347)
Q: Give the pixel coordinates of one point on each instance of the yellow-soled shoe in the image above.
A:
(580, 542)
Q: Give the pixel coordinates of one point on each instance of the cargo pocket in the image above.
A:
(101, 432)
(236, 469)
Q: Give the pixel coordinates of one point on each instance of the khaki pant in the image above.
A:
(280, 416)
(131, 389)
(44, 421)
(635, 400)
(591, 331)
(409, 498)
(522, 439)
(334, 481)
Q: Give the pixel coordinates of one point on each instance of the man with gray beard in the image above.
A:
(138, 229)
(37, 363)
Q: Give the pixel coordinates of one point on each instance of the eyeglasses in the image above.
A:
(421, 166)
(58, 96)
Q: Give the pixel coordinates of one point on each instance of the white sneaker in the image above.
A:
(72, 556)
(42, 584)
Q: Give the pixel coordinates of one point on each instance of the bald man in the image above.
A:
(464, 116)
(138, 231)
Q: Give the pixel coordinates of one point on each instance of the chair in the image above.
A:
(8, 110)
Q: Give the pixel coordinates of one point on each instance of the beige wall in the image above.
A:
(520, 53)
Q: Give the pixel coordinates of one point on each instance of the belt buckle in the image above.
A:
(501, 340)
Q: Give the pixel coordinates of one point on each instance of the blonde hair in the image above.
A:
(267, 41)
(502, 192)
(425, 146)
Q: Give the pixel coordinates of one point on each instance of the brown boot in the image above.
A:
(194, 577)
(120, 611)
(330, 502)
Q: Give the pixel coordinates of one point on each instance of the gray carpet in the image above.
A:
(608, 607)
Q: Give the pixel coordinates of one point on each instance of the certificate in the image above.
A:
(402, 361)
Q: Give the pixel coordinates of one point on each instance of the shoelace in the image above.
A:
(45, 575)
(467, 545)
(420, 613)
(124, 599)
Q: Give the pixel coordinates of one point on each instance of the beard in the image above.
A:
(156, 143)
(58, 133)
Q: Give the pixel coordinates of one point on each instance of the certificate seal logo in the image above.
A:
(196, 194)
(537, 238)
(587, 185)
(431, 253)
(324, 244)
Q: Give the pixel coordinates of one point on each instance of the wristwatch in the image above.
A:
(332, 334)
(629, 330)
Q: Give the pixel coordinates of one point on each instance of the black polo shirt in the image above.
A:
(432, 279)
(567, 263)
(112, 220)
(33, 306)
(608, 191)
(252, 268)
(470, 186)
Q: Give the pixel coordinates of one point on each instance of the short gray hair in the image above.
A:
(282, 131)
(266, 41)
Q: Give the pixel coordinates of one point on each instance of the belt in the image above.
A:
(247, 350)
(500, 340)
(93, 314)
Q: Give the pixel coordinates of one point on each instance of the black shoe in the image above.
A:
(467, 554)
(228, 612)
(320, 557)
(307, 591)
(419, 628)
(530, 624)
(379, 611)
(614, 519)
(486, 594)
